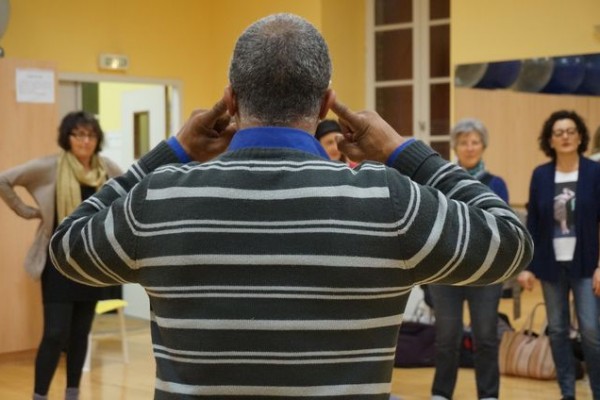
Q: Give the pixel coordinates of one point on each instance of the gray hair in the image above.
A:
(469, 125)
(280, 70)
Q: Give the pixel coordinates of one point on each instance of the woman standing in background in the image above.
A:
(563, 216)
(469, 140)
(58, 184)
(326, 132)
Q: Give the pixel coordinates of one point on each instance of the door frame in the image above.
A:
(137, 299)
(176, 118)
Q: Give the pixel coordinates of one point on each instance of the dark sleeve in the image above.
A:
(532, 209)
(85, 246)
(454, 228)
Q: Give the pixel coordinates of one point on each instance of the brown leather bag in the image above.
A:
(525, 353)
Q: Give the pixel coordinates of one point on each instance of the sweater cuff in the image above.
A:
(413, 157)
(160, 155)
(392, 158)
(179, 151)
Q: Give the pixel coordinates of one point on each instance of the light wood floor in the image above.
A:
(110, 379)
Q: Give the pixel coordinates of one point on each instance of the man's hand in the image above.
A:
(207, 133)
(596, 281)
(365, 135)
(526, 279)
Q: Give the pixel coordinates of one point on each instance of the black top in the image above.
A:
(56, 288)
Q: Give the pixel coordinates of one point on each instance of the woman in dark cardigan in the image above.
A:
(563, 216)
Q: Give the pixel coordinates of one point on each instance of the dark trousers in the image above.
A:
(66, 326)
(483, 304)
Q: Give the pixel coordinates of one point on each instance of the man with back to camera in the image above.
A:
(271, 270)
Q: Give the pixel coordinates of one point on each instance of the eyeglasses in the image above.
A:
(472, 143)
(569, 131)
(81, 136)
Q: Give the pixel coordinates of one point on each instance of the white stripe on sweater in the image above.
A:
(261, 259)
(175, 192)
(278, 325)
(278, 391)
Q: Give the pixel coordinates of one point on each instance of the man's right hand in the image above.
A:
(207, 133)
(365, 135)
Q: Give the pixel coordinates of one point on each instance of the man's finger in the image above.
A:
(217, 111)
(344, 113)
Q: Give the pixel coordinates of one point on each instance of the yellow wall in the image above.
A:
(344, 29)
(189, 40)
(156, 38)
(192, 40)
(494, 30)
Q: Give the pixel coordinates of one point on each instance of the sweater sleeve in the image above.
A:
(87, 251)
(28, 175)
(456, 230)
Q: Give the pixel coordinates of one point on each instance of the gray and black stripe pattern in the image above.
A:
(273, 273)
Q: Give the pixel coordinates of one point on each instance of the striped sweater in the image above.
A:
(273, 272)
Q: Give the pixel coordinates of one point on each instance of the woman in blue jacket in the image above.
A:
(563, 216)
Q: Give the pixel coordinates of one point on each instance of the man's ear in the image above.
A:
(230, 101)
(328, 100)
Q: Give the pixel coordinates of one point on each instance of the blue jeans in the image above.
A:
(483, 307)
(556, 296)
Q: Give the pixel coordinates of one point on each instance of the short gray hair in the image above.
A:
(469, 125)
(280, 70)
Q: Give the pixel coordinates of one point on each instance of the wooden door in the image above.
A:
(27, 130)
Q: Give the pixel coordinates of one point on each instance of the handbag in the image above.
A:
(416, 345)
(525, 353)
(416, 338)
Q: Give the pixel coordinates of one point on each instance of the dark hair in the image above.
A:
(280, 71)
(596, 141)
(546, 134)
(73, 120)
(325, 127)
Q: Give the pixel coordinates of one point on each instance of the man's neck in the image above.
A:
(246, 123)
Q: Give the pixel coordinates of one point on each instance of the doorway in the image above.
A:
(135, 115)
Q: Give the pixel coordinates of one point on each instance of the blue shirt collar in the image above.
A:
(277, 137)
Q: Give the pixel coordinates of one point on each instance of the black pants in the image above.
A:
(66, 326)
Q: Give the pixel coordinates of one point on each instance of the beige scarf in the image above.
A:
(70, 176)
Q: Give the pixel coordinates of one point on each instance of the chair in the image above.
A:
(104, 306)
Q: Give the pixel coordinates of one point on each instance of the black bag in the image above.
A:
(416, 345)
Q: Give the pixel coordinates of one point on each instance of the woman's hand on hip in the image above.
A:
(596, 282)
(526, 279)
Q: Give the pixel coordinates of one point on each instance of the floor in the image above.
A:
(110, 379)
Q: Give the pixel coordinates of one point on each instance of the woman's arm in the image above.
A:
(26, 175)
(527, 278)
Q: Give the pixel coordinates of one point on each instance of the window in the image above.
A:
(408, 67)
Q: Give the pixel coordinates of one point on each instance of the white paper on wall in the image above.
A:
(35, 86)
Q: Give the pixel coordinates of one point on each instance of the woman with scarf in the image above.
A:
(469, 140)
(58, 184)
